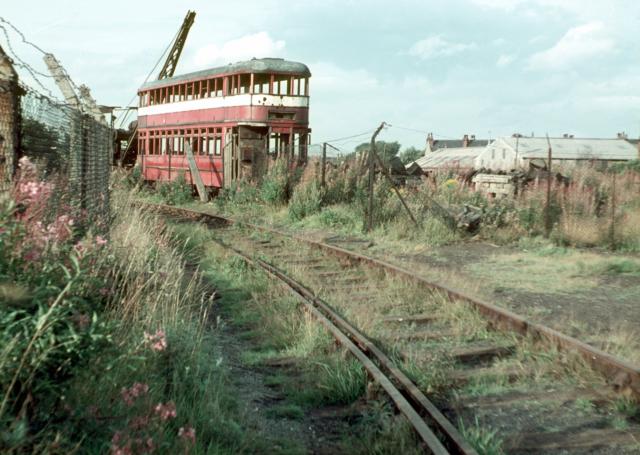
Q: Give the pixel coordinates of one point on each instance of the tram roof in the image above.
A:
(255, 65)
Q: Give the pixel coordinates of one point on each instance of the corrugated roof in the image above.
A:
(450, 158)
(256, 65)
(573, 148)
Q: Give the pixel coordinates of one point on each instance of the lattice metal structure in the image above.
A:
(72, 146)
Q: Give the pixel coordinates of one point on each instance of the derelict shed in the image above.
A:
(459, 159)
(519, 153)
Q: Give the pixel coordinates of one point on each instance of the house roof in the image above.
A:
(462, 157)
(457, 143)
(572, 148)
(255, 65)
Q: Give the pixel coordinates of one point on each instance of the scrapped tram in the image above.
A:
(236, 119)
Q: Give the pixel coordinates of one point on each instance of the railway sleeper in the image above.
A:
(415, 319)
(573, 439)
(464, 355)
(422, 335)
(600, 398)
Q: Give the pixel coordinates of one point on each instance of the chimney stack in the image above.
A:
(622, 135)
(430, 141)
(465, 141)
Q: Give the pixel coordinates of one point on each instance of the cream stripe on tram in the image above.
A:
(226, 101)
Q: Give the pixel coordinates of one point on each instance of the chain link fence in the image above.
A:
(72, 147)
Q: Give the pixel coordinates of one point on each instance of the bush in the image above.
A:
(51, 321)
(176, 192)
(274, 189)
(306, 200)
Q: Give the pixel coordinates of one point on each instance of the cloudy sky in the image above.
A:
(484, 67)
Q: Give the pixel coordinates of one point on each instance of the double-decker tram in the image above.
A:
(236, 119)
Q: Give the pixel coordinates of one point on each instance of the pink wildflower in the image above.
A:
(80, 249)
(139, 422)
(157, 341)
(166, 411)
(187, 433)
(130, 395)
(32, 255)
(82, 320)
(150, 445)
(100, 240)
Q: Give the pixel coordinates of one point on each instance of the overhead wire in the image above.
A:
(420, 131)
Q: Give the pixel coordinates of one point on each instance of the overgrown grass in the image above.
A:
(484, 440)
(107, 342)
(326, 376)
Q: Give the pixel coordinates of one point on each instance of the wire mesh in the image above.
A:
(73, 148)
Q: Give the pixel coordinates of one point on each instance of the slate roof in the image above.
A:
(255, 65)
(458, 143)
(573, 148)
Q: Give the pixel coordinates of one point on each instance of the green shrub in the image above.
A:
(176, 192)
(306, 200)
(343, 381)
(274, 189)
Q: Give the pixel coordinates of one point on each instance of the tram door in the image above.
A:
(230, 157)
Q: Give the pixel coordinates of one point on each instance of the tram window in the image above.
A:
(303, 86)
(283, 87)
(203, 144)
(296, 86)
(219, 82)
(163, 147)
(245, 83)
(218, 146)
(261, 83)
(234, 85)
(189, 92)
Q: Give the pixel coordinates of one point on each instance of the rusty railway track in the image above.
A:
(438, 434)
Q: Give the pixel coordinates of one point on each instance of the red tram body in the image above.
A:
(235, 118)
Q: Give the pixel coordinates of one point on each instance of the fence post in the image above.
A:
(547, 208)
(372, 170)
(9, 120)
(323, 182)
(612, 226)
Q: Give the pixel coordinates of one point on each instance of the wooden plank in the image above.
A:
(473, 354)
(195, 173)
(418, 319)
(573, 438)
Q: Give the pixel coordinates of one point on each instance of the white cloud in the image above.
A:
(505, 60)
(256, 45)
(578, 44)
(328, 77)
(436, 46)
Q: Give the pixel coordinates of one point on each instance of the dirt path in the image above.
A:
(282, 427)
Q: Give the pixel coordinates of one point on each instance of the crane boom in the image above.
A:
(170, 64)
